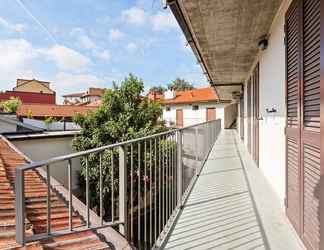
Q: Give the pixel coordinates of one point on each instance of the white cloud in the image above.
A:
(163, 21)
(83, 39)
(82, 81)
(103, 55)
(87, 42)
(184, 43)
(18, 27)
(66, 58)
(134, 15)
(131, 47)
(115, 34)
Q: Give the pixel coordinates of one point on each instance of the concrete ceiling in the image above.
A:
(225, 33)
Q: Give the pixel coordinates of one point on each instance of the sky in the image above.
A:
(76, 44)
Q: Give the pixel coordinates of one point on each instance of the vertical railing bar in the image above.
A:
(163, 186)
(112, 187)
(70, 195)
(155, 192)
(132, 193)
(172, 168)
(170, 175)
(123, 208)
(139, 196)
(20, 206)
(167, 177)
(159, 146)
(48, 176)
(100, 187)
(87, 193)
(151, 221)
(145, 202)
(179, 167)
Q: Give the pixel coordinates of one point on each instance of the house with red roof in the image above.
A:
(30, 91)
(185, 108)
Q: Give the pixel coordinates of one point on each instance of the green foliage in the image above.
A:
(158, 89)
(29, 114)
(123, 115)
(11, 105)
(49, 120)
(180, 84)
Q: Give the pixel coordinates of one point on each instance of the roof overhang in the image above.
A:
(225, 34)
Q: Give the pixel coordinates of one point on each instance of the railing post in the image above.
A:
(20, 207)
(179, 167)
(123, 228)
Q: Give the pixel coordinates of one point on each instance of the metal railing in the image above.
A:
(142, 184)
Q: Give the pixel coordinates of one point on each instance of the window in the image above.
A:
(167, 108)
(195, 107)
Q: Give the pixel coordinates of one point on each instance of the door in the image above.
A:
(242, 117)
(256, 111)
(249, 114)
(303, 97)
(179, 118)
(211, 114)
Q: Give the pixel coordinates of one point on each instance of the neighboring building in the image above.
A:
(59, 112)
(92, 95)
(31, 91)
(33, 86)
(72, 99)
(185, 108)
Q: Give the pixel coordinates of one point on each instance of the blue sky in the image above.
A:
(80, 43)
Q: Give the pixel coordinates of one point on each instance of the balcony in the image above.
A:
(189, 188)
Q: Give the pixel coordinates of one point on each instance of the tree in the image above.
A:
(123, 115)
(180, 84)
(158, 89)
(11, 105)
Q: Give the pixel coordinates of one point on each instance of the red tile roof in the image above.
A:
(36, 209)
(40, 110)
(192, 96)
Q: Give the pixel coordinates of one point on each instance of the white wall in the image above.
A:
(272, 95)
(54, 126)
(190, 116)
(45, 148)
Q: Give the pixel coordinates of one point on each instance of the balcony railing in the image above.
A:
(146, 181)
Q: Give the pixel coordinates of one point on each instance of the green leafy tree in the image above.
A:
(11, 105)
(123, 115)
(180, 84)
(158, 89)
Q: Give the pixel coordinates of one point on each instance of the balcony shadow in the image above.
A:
(220, 212)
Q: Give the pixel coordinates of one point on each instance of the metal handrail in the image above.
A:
(161, 171)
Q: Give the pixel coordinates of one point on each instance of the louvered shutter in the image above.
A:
(293, 121)
(310, 136)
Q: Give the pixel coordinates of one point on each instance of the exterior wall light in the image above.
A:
(263, 43)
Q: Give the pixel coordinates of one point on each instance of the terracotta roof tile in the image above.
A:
(36, 209)
(192, 96)
(43, 110)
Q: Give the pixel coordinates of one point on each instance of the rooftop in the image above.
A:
(43, 110)
(192, 96)
(36, 209)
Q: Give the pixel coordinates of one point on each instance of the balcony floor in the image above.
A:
(232, 206)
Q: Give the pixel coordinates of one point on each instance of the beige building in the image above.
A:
(33, 86)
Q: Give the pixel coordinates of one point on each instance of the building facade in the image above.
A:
(273, 49)
(31, 91)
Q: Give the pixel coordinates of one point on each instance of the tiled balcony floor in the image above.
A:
(232, 206)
